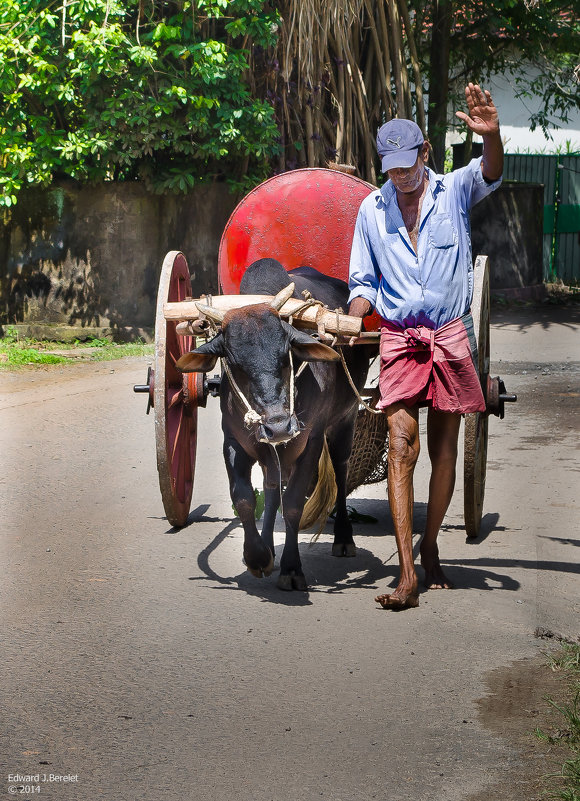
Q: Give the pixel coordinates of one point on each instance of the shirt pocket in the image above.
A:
(442, 233)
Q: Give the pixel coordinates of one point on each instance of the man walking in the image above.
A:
(411, 260)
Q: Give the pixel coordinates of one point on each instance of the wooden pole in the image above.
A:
(312, 317)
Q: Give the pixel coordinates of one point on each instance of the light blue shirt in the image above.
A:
(434, 285)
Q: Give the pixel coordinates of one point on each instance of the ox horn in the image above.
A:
(209, 311)
(282, 296)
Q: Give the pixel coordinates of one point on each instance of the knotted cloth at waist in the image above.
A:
(429, 367)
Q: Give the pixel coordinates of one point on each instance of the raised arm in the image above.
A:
(483, 120)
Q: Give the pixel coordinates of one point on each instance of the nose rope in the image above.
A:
(251, 416)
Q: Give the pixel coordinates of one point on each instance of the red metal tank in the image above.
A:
(301, 217)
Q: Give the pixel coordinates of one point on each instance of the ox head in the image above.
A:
(256, 343)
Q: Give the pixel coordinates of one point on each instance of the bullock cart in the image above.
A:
(303, 217)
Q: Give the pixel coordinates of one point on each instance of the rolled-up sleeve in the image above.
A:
(474, 186)
(363, 280)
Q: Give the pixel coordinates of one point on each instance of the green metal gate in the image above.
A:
(560, 176)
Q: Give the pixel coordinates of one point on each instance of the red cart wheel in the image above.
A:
(476, 425)
(176, 396)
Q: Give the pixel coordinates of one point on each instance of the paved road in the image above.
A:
(143, 663)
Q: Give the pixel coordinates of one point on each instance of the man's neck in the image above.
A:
(410, 204)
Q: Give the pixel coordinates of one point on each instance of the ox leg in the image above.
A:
(291, 574)
(258, 557)
(340, 447)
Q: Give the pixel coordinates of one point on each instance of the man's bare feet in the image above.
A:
(398, 601)
(435, 578)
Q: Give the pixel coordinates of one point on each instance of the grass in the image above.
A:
(16, 351)
(565, 784)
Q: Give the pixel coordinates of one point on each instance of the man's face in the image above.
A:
(409, 179)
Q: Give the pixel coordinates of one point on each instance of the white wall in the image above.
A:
(514, 114)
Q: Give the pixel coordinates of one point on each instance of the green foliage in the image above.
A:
(534, 45)
(260, 502)
(506, 37)
(567, 148)
(565, 785)
(181, 92)
(104, 351)
(108, 90)
(17, 351)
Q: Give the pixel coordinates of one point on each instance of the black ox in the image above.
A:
(286, 438)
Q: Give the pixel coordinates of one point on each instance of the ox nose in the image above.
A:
(279, 428)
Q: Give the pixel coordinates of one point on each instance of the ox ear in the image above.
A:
(202, 359)
(314, 351)
(307, 348)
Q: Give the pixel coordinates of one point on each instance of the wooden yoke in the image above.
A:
(305, 313)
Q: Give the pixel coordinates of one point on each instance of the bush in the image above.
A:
(104, 90)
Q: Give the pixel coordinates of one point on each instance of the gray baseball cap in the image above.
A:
(398, 142)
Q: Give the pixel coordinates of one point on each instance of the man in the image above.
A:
(411, 260)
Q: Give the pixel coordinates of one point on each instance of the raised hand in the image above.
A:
(483, 118)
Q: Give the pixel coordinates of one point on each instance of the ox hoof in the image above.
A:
(258, 572)
(270, 566)
(292, 581)
(344, 549)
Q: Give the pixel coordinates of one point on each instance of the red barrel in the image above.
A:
(301, 217)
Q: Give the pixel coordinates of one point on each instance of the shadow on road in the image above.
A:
(531, 564)
(546, 315)
(327, 574)
(489, 525)
(324, 572)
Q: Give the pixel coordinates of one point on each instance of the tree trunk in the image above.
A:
(342, 73)
(439, 79)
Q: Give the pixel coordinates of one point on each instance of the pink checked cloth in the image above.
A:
(420, 366)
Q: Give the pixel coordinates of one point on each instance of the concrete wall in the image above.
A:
(90, 257)
(507, 226)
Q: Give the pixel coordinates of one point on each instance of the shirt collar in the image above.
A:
(436, 183)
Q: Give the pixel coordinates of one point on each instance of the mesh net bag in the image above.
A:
(368, 460)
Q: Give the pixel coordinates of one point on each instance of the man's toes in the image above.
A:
(397, 602)
(437, 581)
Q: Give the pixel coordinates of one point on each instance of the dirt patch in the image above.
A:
(514, 708)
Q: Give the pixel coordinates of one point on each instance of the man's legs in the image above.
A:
(442, 434)
(402, 457)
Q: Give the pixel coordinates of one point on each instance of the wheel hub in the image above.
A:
(194, 393)
(496, 396)
(148, 387)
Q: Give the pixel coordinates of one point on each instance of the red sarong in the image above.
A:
(420, 366)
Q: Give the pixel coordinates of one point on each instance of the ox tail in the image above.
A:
(323, 498)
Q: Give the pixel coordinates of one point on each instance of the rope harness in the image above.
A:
(354, 388)
(251, 416)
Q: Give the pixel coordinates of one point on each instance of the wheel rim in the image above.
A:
(476, 425)
(175, 413)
